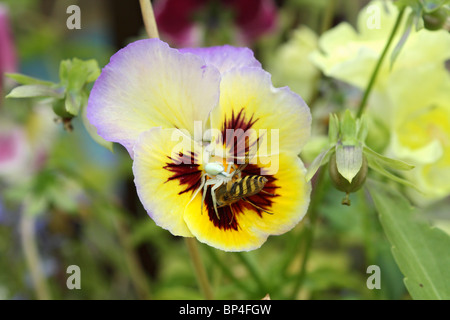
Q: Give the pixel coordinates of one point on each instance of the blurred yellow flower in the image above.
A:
(411, 98)
(290, 65)
(350, 55)
(421, 131)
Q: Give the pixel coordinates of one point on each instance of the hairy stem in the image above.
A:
(253, 271)
(27, 234)
(226, 270)
(137, 273)
(375, 71)
(327, 17)
(199, 268)
(308, 233)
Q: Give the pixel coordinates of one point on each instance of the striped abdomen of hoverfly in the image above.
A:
(238, 189)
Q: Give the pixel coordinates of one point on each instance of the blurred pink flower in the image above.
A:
(8, 62)
(13, 151)
(24, 147)
(252, 18)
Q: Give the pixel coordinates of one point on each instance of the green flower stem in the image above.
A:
(374, 75)
(253, 271)
(226, 270)
(291, 251)
(308, 233)
(137, 273)
(149, 19)
(32, 258)
(327, 17)
(199, 268)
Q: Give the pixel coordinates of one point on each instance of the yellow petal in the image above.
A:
(163, 179)
(248, 101)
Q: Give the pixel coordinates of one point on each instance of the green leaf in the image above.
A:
(433, 5)
(374, 165)
(349, 160)
(23, 79)
(320, 160)
(404, 3)
(420, 251)
(362, 128)
(73, 103)
(385, 161)
(419, 23)
(34, 90)
(75, 73)
(93, 70)
(36, 205)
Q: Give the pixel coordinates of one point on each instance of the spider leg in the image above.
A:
(213, 195)
(212, 181)
(238, 171)
(235, 169)
(202, 183)
(230, 165)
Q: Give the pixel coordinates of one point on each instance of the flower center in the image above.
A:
(227, 189)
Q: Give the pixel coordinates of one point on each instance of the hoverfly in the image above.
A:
(239, 189)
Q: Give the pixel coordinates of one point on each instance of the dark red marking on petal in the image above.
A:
(235, 134)
(185, 170)
(238, 121)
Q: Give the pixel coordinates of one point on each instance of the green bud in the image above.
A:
(350, 157)
(64, 117)
(59, 108)
(435, 20)
(342, 183)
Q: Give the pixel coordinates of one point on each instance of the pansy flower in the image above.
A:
(183, 115)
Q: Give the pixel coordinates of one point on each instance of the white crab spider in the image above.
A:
(218, 176)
